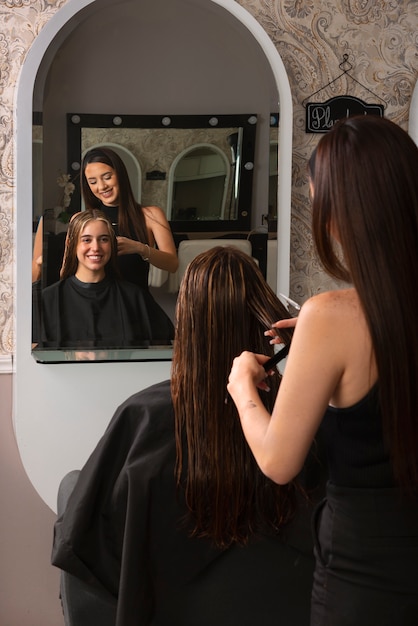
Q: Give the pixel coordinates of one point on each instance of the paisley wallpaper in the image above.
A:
(379, 37)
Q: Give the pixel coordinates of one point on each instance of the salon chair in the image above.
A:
(53, 254)
(190, 248)
(82, 605)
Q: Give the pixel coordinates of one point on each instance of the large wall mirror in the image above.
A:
(203, 145)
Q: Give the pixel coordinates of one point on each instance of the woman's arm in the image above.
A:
(165, 257)
(315, 364)
(37, 253)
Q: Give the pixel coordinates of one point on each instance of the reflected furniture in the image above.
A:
(191, 248)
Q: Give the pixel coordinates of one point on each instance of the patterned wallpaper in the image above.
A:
(380, 38)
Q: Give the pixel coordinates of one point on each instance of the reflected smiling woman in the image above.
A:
(143, 233)
(90, 306)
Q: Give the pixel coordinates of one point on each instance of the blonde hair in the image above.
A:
(75, 228)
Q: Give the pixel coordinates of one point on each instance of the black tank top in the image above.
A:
(356, 454)
(132, 267)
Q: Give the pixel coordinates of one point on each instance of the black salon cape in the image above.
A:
(122, 531)
(111, 313)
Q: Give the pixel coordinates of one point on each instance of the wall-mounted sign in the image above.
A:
(321, 116)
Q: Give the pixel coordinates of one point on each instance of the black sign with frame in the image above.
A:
(321, 116)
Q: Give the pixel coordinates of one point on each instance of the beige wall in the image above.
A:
(311, 37)
(28, 583)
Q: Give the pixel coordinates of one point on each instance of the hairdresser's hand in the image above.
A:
(247, 371)
(129, 246)
(274, 332)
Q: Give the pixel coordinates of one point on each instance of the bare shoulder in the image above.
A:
(334, 309)
(153, 212)
(338, 302)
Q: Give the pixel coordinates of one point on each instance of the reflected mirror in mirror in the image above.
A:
(123, 78)
(197, 168)
(200, 182)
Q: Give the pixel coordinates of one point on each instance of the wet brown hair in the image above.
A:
(75, 229)
(365, 178)
(224, 306)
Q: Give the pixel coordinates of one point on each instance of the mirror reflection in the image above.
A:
(200, 186)
(92, 305)
(212, 79)
(196, 168)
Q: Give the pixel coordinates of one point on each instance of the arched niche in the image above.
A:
(203, 163)
(60, 411)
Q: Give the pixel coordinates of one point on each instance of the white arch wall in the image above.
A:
(413, 115)
(59, 411)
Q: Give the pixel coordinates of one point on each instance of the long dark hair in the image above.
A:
(130, 213)
(75, 228)
(224, 306)
(365, 179)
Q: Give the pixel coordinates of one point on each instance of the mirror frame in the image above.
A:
(248, 123)
(47, 425)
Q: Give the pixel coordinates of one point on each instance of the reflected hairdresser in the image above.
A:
(143, 233)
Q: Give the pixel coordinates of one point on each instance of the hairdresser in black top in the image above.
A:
(143, 233)
(352, 372)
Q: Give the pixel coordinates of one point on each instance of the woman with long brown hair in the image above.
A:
(143, 233)
(352, 371)
(171, 514)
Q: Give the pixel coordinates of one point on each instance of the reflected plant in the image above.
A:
(64, 181)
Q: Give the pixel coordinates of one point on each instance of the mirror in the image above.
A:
(186, 75)
(197, 168)
(200, 186)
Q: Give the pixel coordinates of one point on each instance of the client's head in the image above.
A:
(224, 306)
(90, 247)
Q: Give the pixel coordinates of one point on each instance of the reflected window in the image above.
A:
(200, 185)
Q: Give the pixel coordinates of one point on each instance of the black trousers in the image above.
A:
(366, 551)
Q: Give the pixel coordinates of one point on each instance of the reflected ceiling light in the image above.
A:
(166, 121)
(75, 119)
(252, 119)
(249, 165)
(117, 120)
(213, 121)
